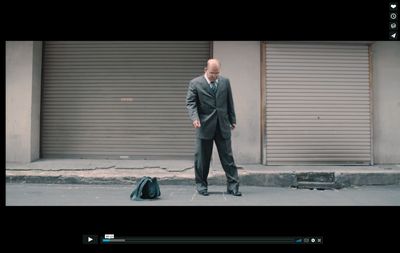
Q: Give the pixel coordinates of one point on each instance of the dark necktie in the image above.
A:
(213, 87)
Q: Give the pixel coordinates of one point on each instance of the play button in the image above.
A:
(89, 239)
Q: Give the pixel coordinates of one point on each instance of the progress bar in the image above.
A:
(213, 240)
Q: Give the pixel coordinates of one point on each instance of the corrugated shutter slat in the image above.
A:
(113, 99)
(317, 104)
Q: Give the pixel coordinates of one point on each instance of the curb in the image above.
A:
(287, 179)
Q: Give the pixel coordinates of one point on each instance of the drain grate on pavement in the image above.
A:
(316, 180)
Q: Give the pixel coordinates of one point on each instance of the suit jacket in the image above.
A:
(204, 105)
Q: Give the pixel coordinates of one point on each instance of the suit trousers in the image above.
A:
(203, 154)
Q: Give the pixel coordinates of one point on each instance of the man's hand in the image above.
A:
(233, 126)
(196, 124)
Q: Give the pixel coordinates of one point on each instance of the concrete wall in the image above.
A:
(386, 101)
(240, 62)
(23, 82)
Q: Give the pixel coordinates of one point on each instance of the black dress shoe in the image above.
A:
(203, 192)
(235, 193)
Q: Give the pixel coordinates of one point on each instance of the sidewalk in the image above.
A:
(181, 172)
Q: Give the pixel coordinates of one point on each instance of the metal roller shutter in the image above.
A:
(119, 99)
(317, 104)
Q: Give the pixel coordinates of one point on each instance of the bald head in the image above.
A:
(212, 63)
(212, 70)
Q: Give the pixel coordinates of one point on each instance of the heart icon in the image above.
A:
(393, 6)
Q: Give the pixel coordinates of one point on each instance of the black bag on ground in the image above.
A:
(146, 188)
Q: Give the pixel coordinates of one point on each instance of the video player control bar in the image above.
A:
(210, 240)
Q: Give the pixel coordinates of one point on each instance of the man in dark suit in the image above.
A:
(210, 104)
